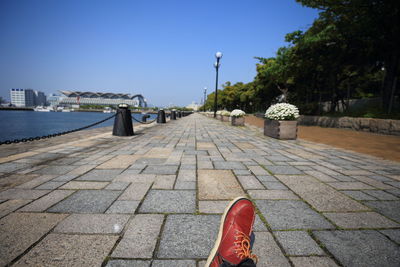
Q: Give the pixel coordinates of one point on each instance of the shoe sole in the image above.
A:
(217, 243)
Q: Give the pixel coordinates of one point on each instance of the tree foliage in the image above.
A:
(352, 50)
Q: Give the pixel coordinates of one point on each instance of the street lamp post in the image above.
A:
(218, 55)
(204, 100)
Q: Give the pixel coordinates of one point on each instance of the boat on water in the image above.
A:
(64, 109)
(43, 109)
(108, 110)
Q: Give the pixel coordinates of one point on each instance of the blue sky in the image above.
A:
(163, 49)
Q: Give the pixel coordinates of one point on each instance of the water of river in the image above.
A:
(25, 124)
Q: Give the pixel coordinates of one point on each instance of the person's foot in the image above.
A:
(233, 241)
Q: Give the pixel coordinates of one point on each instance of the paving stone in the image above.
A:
(136, 191)
(360, 220)
(393, 234)
(272, 194)
(47, 201)
(249, 182)
(321, 176)
(50, 185)
(86, 201)
(161, 169)
(259, 225)
(55, 170)
(269, 253)
(267, 178)
(117, 186)
(298, 243)
(175, 263)
(205, 145)
(34, 181)
(84, 185)
(313, 261)
(119, 162)
(123, 207)
(140, 238)
(360, 248)
(133, 177)
(212, 206)
(81, 169)
(390, 209)
(187, 167)
(128, 263)
(274, 185)
(8, 206)
(100, 175)
(395, 192)
(395, 184)
(381, 195)
(205, 164)
(158, 152)
(22, 194)
(218, 185)
(229, 165)
(358, 195)
(152, 161)
(92, 224)
(137, 166)
(373, 182)
(291, 214)
(322, 197)
(350, 186)
(18, 231)
(164, 182)
(180, 231)
(11, 167)
(242, 172)
(185, 185)
(169, 201)
(258, 170)
(284, 170)
(65, 178)
(69, 250)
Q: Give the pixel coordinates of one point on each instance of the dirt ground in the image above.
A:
(378, 145)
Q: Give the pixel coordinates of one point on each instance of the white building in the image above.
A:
(193, 106)
(96, 98)
(27, 98)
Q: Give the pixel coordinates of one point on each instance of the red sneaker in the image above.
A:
(233, 242)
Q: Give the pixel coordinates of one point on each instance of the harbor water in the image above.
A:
(25, 124)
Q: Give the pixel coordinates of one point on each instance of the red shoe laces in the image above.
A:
(243, 247)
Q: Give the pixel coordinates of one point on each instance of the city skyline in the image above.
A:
(164, 51)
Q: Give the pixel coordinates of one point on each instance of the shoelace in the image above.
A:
(243, 247)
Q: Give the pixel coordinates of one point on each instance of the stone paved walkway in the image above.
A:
(155, 199)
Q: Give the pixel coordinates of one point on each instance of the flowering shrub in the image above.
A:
(237, 113)
(219, 112)
(225, 113)
(282, 112)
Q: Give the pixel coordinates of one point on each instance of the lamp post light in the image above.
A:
(204, 100)
(218, 55)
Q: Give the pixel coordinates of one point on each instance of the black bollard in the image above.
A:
(179, 114)
(145, 117)
(123, 121)
(161, 116)
(173, 115)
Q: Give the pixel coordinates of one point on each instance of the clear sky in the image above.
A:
(163, 49)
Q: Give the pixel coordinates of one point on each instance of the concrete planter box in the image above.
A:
(225, 118)
(237, 121)
(218, 117)
(285, 130)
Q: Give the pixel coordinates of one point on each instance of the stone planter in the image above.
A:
(285, 130)
(225, 118)
(218, 117)
(237, 121)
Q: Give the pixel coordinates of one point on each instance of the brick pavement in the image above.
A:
(155, 199)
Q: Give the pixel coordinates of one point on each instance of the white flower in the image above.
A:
(237, 113)
(219, 112)
(282, 111)
(225, 113)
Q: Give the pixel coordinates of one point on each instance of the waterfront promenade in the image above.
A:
(155, 199)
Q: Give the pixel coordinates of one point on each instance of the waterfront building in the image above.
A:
(193, 106)
(106, 99)
(27, 97)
